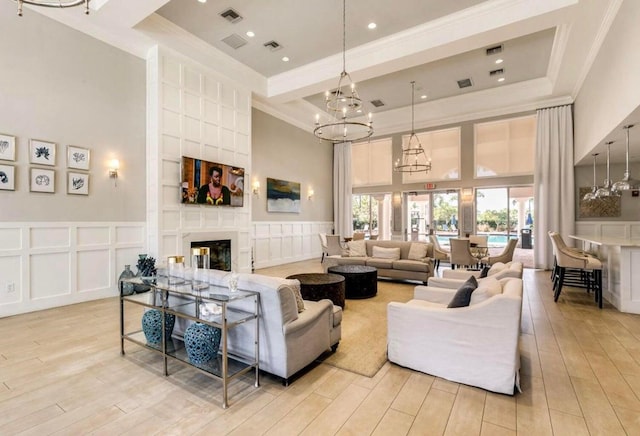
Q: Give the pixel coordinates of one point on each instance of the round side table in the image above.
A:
(360, 281)
(318, 286)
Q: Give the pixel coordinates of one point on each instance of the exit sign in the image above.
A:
(429, 186)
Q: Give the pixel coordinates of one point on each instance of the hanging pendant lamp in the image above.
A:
(590, 196)
(627, 183)
(413, 159)
(53, 4)
(344, 105)
(606, 190)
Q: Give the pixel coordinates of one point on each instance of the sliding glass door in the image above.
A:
(503, 213)
(431, 212)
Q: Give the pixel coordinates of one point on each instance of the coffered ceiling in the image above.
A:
(547, 49)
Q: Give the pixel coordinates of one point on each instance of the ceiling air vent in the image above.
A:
(377, 103)
(464, 83)
(272, 45)
(494, 50)
(497, 72)
(234, 41)
(231, 16)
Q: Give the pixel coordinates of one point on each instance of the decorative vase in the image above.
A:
(126, 287)
(146, 268)
(202, 342)
(152, 326)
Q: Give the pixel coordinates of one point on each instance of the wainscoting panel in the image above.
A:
(617, 229)
(277, 243)
(50, 264)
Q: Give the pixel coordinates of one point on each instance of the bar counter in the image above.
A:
(621, 269)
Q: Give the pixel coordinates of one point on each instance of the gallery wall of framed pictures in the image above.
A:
(42, 163)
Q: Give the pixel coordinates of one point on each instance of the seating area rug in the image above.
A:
(363, 348)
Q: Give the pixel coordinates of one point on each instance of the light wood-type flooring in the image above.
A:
(61, 372)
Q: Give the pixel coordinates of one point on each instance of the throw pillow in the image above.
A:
(496, 268)
(417, 251)
(487, 288)
(462, 297)
(484, 272)
(386, 253)
(357, 249)
(299, 300)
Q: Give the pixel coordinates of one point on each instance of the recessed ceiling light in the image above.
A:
(499, 61)
(501, 79)
(202, 1)
(423, 96)
(250, 34)
(372, 26)
(285, 59)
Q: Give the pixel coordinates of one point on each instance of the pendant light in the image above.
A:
(53, 4)
(606, 191)
(413, 159)
(590, 196)
(627, 183)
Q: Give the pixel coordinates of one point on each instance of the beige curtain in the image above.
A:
(342, 209)
(554, 189)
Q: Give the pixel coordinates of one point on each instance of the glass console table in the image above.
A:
(191, 301)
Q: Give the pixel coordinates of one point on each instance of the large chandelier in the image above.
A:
(344, 106)
(53, 4)
(414, 159)
(627, 183)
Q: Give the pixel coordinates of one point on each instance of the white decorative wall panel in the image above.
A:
(276, 243)
(618, 229)
(44, 265)
(49, 237)
(94, 270)
(10, 239)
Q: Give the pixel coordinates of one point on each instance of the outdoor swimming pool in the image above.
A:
(493, 240)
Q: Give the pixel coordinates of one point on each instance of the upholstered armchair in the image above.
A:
(461, 253)
(438, 252)
(358, 236)
(505, 256)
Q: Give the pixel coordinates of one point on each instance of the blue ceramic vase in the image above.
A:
(202, 342)
(152, 326)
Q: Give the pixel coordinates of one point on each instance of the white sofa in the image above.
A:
(476, 345)
(403, 268)
(289, 340)
(452, 279)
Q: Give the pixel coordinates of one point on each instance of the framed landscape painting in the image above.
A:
(7, 177)
(42, 180)
(77, 183)
(42, 152)
(77, 157)
(7, 147)
(283, 196)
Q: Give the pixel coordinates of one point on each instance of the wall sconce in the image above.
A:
(467, 194)
(310, 194)
(114, 166)
(256, 188)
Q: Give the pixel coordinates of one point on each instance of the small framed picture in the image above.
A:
(42, 152)
(42, 180)
(7, 177)
(7, 147)
(77, 157)
(77, 183)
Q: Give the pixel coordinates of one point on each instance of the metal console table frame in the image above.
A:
(183, 299)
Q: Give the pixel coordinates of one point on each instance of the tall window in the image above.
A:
(371, 163)
(505, 147)
(503, 213)
(372, 214)
(443, 148)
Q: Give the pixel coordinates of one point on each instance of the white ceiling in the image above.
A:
(549, 46)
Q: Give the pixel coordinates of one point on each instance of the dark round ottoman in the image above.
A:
(360, 281)
(317, 286)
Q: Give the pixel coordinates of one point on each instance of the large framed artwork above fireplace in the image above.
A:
(223, 248)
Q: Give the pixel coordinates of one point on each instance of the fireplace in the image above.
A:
(220, 252)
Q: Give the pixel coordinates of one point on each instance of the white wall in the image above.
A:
(611, 90)
(194, 112)
(60, 85)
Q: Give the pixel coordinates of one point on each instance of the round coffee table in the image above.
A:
(317, 286)
(360, 281)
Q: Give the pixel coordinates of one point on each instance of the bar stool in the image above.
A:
(589, 270)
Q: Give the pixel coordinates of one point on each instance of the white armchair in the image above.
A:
(475, 345)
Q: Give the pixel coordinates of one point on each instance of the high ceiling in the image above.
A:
(548, 47)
